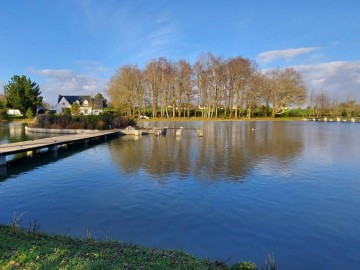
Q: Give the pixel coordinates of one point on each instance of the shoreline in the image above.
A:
(31, 249)
(193, 119)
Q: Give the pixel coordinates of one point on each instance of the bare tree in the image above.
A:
(152, 77)
(349, 107)
(184, 87)
(335, 108)
(167, 77)
(322, 103)
(287, 89)
(239, 71)
(139, 88)
(218, 87)
(253, 93)
(202, 78)
(123, 89)
(213, 83)
(264, 85)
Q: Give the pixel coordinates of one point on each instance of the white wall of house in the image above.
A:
(90, 110)
(14, 112)
(62, 105)
(85, 109)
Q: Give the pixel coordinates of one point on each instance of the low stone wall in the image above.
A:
(60, 131)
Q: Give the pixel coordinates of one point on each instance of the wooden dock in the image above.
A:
(51, 143)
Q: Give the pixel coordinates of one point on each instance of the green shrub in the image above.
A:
(101, 125)
(67, 111)
(3, 114)
(30, 113)
(100, 122)
(244, 266)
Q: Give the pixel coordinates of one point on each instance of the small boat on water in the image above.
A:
(130, 130)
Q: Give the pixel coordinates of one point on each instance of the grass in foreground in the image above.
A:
(21, 249)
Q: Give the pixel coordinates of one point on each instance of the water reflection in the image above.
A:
(22, 163)
(15, 132)
(287, 184)
(228, 150)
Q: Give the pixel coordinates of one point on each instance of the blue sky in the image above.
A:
(75, 46)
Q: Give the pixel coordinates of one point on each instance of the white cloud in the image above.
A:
(65, 82)
(339, 79)
(158, 43)
(93, 68)
(288, 54)
(160, 39)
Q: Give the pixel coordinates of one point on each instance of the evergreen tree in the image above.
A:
(29, 113)
(21, 93)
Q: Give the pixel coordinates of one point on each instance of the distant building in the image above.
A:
(87, 104)
(14, 112)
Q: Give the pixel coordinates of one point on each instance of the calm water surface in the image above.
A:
(287, 188)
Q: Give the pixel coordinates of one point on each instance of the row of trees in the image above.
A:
(321, 104)
(214, 85)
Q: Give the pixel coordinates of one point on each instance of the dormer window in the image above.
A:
(78, 102)
(86, 103)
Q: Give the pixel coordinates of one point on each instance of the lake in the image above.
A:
(244, 190)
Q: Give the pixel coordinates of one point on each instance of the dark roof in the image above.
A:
(98, 103)
(72, 99)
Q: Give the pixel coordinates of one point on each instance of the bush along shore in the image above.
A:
(30, 249)
(100, 122)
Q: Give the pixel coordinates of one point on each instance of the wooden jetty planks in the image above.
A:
(13, 148)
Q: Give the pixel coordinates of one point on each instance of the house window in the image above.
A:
(63, 103)
(86, 111)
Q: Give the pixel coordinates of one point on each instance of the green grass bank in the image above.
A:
(31, 250)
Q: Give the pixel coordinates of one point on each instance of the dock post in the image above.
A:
(2, 160)
(325, 119)
(353, 120)
(3, 170)
(163, 131)
(179, 131)
(338, 119)
(199, 132)
(52, 148)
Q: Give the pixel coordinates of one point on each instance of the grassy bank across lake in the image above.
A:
(20, 249)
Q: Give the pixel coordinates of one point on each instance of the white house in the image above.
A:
(87, 104)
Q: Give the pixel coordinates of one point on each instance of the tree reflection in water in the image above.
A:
(228, 150)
